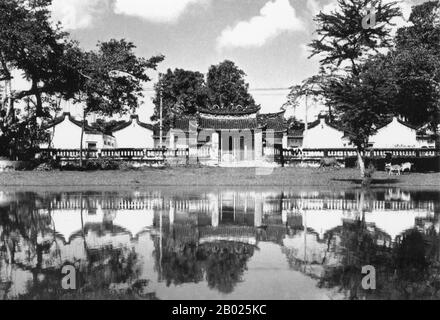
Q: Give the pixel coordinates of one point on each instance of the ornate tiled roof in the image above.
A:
(228, 124)
(273, 121)
(223, 120)
(231, 110)
(183, 122)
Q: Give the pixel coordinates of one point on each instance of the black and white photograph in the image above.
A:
(217, 151)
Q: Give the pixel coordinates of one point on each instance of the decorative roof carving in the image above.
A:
(230, 110)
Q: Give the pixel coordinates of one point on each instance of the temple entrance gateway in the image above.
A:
(232, 135)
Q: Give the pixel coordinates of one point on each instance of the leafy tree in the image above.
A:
(424, 28)
(416, 63)
(183, 91)
(21, 140)
(364, 100)
(344, 40)
(227, 86)
(31, 43)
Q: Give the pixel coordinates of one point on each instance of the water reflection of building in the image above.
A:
(208, 228)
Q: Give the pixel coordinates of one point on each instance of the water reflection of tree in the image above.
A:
(106, 272)
(225, 264)
(221, 263)
(407, 269)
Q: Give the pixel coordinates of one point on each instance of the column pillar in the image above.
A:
(215, 146)
(258, 144)
(258, 216)
(285, 141)
(193, 143)
(214, 204)
(172, 215)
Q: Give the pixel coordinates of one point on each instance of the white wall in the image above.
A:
(134, 137)
(395, 135)
(66, 135)
(324, 136)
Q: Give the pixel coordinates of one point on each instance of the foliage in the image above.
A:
(221, 264)
(407, 270)
(21, 140)
(356, 93)
(362, 101)
(106, 126)
(105, 94)
(183, 91)
(416, 66)
(311, 89)
(342, 37)
(31, 43)
(226, 85)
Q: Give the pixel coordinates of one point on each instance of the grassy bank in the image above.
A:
(196, 177)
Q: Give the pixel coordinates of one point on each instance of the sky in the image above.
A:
(266, 38)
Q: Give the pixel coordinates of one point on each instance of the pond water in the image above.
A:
(220, 244)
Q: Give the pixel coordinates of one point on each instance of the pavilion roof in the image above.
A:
(273, 121)
(231, 124)
(223, 120)
(230, 110)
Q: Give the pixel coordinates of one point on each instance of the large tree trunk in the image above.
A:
(39, 103)
(361, 163)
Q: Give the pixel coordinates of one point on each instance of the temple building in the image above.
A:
(229, 135)
(65, 134)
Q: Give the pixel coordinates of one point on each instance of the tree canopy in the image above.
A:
(102, 91)
(32, 44)
(183, 91)
(342, 36)
(359, 93)
(416, 66)
(227, 86)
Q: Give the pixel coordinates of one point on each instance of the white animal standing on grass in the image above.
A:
(393, 169)
(407, 166)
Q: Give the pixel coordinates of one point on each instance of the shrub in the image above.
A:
(101, 164)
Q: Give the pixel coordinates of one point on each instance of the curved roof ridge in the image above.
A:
(129, 123)
(78, 123)
(406, 124)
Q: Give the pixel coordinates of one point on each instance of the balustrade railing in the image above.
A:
(115, 154)
(205, 152)
(352, 153)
